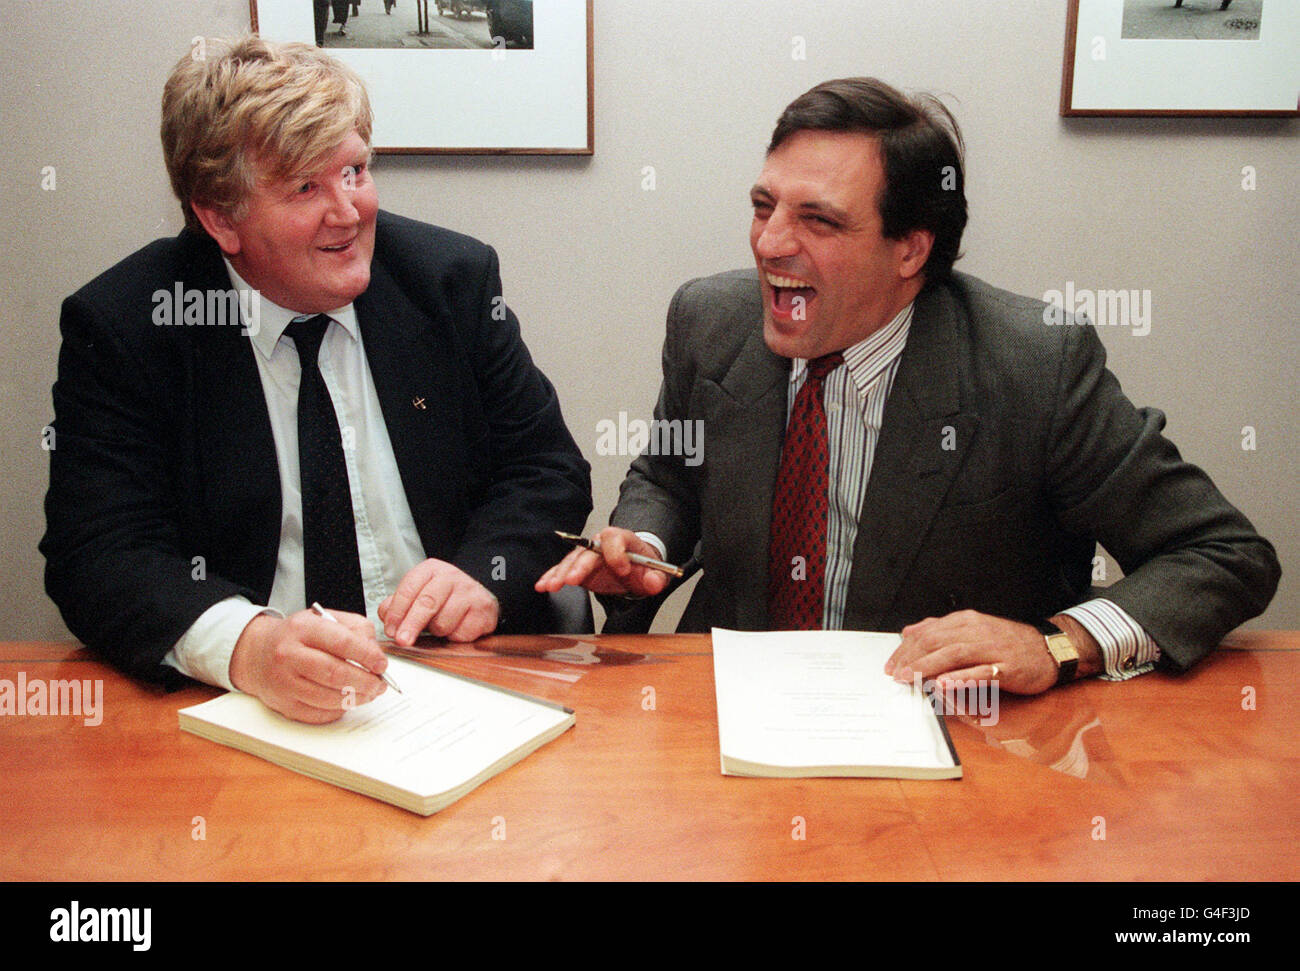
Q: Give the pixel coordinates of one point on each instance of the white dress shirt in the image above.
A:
(387, 541)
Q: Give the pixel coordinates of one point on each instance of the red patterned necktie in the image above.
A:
(797, 555)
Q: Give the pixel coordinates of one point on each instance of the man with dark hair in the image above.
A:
(920, 146)
(891, 445)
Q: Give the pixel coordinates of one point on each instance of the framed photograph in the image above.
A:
(1182, 57)
(457, 77)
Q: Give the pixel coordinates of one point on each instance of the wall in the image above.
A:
(590, 258)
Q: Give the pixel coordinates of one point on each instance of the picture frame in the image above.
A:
(1182, 58)
(433, 91)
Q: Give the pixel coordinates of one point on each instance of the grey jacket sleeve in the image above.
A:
(1194, 566)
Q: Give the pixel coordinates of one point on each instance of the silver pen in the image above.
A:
(322, 612)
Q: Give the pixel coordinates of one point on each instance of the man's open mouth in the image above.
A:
(790, 295)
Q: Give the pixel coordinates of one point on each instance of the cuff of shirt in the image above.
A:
(656, 542)
(1126, 648)
(204, 651)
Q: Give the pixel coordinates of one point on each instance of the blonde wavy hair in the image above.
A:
(254, 108)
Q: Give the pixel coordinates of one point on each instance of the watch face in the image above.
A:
(1062, 648)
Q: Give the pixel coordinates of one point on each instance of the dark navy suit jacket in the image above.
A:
(164, 454)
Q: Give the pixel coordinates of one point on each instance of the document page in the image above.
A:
(439, 732)
(819, 703)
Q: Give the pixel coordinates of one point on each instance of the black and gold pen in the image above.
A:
(637, 558)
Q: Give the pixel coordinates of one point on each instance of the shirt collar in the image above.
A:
(266, 331)
(871, 356)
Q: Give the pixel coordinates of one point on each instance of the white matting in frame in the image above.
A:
(1107, 73)
(505, 101)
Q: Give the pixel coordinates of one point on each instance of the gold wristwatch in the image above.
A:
(1064, 653)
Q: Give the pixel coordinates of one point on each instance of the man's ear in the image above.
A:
(915, 250)
(219, 226)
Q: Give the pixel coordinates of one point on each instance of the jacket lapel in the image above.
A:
(924, 437)
(423, 403)
(744, 427)
(236, 476)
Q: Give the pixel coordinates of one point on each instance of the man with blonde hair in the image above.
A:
(298, 399)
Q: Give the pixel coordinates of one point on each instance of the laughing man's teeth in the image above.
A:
(786, 282)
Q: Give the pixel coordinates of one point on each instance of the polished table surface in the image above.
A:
(1160, 778)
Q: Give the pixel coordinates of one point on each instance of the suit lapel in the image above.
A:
(924, 436)
(421, 397)
(234, 461)
(744, 429)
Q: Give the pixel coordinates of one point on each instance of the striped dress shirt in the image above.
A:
(854, 396)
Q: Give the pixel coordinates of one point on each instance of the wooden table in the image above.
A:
(1161, 778)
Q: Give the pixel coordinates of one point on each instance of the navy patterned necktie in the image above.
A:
(797, 554)
(329, 534)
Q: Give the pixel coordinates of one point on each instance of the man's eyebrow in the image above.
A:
(815, 207)
(829, 210)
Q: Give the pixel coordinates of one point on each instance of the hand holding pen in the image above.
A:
(312, 666)
(615, 562)
(320, 611)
